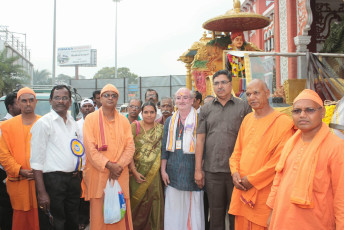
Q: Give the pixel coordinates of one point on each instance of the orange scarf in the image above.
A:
(303, 187)
(101, 141)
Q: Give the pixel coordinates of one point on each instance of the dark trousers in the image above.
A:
(219, 188)
(206, 211)
(6, 211)
(84, 212)
(64, 190)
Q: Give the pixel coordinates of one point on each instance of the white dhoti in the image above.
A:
(184, 210)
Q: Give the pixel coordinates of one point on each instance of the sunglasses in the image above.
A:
(107, 95)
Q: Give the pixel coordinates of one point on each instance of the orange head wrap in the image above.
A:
(109, 87)
(309, 94)
(235, 34)
(25, 90)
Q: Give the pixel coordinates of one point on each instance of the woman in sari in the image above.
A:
(146, 192)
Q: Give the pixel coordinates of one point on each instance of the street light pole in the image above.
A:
(116, 67)
(54, 45)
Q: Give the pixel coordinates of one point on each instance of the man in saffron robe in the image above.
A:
(308, 189)
(15, 156)
(260, 141)
(109, 150)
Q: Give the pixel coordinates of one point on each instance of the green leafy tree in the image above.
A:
(335, 44)
(123, 72)
(11, 74)
(41, 77)
(62, 77)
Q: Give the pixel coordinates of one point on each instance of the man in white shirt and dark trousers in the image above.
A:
(56, 164)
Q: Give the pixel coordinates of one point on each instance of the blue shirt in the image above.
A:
(180, 167)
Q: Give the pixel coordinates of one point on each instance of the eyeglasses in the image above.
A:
(134, 107)
(308, 111)
(64, 98)
(107, 95)
(217, 83)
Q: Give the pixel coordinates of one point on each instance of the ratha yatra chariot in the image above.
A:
(254, 40)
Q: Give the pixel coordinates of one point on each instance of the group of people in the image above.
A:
(174, 162)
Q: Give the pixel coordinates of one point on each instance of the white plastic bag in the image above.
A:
(114, 203)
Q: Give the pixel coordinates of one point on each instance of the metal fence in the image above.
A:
(164, 85)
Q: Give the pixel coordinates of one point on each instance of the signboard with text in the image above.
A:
(71, 56)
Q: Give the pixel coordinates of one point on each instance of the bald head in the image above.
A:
(258, 95)
(259, 83)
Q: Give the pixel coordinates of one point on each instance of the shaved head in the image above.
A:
(259, 82)
(258, 94)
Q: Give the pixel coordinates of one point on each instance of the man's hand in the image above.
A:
(199, 178)
(246, 183)
(165, 177)
(115, 169)
(139, 177)
(43, 201)
(238, 182)
(28, 173)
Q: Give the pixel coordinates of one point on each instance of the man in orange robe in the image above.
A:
(260, 141)
(109, 150)
(15, 158)
(308, 189)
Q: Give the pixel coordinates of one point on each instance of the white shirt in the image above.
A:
(8, 116)
(80, 124)
(198, 110)
(51, 143)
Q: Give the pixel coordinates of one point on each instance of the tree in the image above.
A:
(11, 74)
(334, 43)
(123, 72)
(41, 77)
(62, 77)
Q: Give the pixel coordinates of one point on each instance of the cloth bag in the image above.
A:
(114, 202)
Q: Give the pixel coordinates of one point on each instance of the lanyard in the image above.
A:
(180, 129)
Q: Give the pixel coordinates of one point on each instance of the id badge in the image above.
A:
(178, 144)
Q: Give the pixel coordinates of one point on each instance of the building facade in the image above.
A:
(10, 42)
(296, 26)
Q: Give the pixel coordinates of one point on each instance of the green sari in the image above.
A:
(147, 198)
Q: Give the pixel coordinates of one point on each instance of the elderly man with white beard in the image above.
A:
(184, 199)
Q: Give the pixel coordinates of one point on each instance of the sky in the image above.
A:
(151, 34)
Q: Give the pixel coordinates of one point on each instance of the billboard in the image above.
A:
(71, 56)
